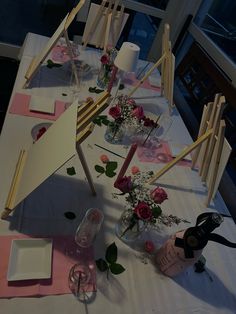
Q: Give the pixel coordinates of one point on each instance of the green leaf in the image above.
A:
(99, 169)
(105, 122)
(71, 171)
(98, 91)
(111, 165)
(111, 253)
(101, 264)
(51, 64)
(92, 89)
(110, 173)
(156, 211)
(97, 121)
(116, 269)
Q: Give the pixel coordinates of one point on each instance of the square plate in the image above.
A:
(42, 104)
(30, 259)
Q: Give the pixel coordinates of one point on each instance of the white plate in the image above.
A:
(37, 127)
(30, 259)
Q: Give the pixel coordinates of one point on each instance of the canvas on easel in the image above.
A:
(167, 62)
(61, 31)
(104, 24)
(58, 145)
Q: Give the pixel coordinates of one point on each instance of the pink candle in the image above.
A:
(112, 79)
(127, 161)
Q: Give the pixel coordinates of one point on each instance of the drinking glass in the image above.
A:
(89, 227)
(79, 277)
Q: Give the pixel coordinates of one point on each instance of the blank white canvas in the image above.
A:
(49, 153)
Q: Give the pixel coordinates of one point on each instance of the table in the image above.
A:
(141, 288)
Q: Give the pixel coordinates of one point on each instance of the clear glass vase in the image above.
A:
(114, 133)
(127, 228)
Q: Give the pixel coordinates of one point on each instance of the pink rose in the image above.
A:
(135, 170)
(158, 195)
(131, 102)
(138, 112)
(105, 59)
(124, 184)
(115, 112)
(143, 211)
(149, 247)
(104, 158)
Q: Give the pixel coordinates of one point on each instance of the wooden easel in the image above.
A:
(108, 20)
(167, 62)
(208, 148)
(58, 145)
(60, 32)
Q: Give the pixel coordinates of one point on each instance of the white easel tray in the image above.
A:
(30, 259)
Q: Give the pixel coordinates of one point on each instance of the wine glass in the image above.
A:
(85, 236)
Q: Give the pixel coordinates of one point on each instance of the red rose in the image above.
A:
(105, 59)
(138, 112)
(149, 247)
(149, 123)
(124, 184)
(159, 195)
(115, 112)
(143, 211)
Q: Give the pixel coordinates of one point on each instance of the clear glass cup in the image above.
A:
(79, 277)
(89, 227)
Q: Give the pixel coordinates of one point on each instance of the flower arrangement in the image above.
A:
(107, 61)
(142, 203)
(126, 112)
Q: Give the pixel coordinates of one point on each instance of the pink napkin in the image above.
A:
(60, 54)
(151, 152)
(61, 265)
(131, 80)
(20, 105)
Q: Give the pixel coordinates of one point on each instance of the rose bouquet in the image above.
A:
(128, 114)
(143, 204)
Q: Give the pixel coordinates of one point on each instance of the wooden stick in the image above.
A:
(70, 51)
(108, 26)
(212, 141)
(86, 168)
(85, 133)
(184, 153)
(217, 152)
(120, 17)
(73, 13)
(14, 185)
(100, 42)
(147, 74)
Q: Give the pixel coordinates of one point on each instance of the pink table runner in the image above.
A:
(158, 154)
(20, 105)
(61, 264)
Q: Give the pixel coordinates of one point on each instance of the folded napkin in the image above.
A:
(158, 153)
(61, 265)
(20, 105)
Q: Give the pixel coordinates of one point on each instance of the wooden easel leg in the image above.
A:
(71, 58)
(86, 168)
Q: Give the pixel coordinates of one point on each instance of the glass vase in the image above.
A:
(128, 230)
(114, 133)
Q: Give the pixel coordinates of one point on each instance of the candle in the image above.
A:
(112, 79)
(127, 161)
